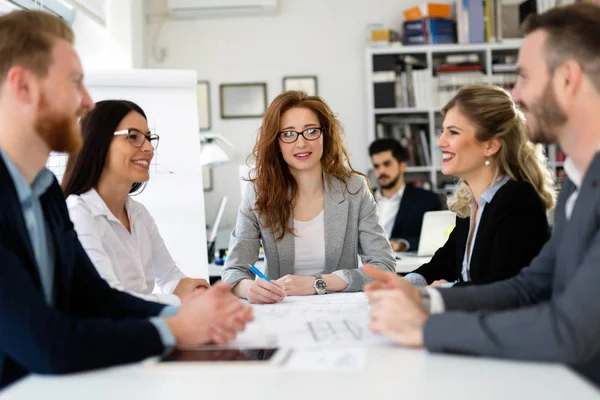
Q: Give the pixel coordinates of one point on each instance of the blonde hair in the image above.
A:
(27, 38)
(492, 111)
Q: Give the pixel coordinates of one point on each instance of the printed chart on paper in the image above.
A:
(339, 319)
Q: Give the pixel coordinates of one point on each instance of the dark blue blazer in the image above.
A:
(414, 204)
(90, 324)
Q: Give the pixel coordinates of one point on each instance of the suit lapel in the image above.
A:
(336, 219)
(579, 227)
(57, 232)
(13, 215)
(402, 208)
(285, 250)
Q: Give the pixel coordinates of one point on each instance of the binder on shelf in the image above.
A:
(476, 21)
(429, 30)
(384, 78)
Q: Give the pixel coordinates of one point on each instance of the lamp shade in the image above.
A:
(212, 155)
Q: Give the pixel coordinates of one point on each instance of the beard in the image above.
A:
(60, 131)
(391, 184)
(548, 116)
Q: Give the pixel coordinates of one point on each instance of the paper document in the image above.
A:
(327, 359)
(339, 319)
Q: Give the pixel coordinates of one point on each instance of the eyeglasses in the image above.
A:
(309, 134)
(138, 138)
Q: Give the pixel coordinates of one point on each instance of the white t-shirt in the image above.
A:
(309, 246)
(130, 262)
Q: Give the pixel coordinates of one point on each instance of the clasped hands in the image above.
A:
(212, 315)
(396, 310)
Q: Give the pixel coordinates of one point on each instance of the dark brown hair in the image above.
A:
(572, 34)
(271, 176)
(85, 167)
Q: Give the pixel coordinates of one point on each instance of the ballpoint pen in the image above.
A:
(258, 273)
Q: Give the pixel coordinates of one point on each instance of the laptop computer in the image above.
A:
(435, 230)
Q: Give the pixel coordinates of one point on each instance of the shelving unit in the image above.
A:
(430, 55)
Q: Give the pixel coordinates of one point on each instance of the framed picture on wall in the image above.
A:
(307, 84)
(203, 94)
(243, 100)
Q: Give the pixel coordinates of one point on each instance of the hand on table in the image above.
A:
(398, 245)
(396, 310)
(188, 286)
(259, 291)
(438, 283)
(295, 285)
(213, 315)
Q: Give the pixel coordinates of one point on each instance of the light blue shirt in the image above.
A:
(486, 197)
(43, 248)
(39, 232)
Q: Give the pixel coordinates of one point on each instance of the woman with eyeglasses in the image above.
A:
(117, 232)
(310, 210)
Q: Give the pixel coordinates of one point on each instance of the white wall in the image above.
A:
(325, 38)
(118, 44)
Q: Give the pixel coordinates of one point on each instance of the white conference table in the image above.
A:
(387, 373)
(404, 264)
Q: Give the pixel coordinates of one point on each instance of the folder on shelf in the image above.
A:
(439, 10)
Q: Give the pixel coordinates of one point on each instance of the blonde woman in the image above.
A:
(504, 192)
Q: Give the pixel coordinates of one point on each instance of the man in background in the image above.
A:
(401, 205)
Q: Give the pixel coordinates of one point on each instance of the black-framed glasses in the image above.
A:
(308, 134)
(138, 138)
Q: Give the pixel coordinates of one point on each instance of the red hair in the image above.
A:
(276, 188)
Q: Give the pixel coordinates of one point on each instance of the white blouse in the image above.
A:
(130, 262)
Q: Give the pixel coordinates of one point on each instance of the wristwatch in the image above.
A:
(425, 300)
(320, 285)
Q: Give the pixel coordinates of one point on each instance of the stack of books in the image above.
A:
(453, 71)
(411, 133)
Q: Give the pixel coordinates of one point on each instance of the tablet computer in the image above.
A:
(215, 354)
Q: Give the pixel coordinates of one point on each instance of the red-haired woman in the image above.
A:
(310, 210)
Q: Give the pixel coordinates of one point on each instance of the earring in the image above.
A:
(487, 163)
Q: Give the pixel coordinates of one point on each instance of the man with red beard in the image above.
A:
(56, 314)
(550, 311)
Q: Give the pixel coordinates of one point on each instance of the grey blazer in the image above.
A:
(351, 228)
(550, 311)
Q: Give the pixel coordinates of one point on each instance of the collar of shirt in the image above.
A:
(396, 196)
(99, 208)
(573, 172)
(38, 187)
(489, 193)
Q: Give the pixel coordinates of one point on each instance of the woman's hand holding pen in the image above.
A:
(260, 291)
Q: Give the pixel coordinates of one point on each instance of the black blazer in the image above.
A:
(90, 325)
(512, 230)
(414, 204)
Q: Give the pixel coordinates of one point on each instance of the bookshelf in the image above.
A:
(432, 81)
